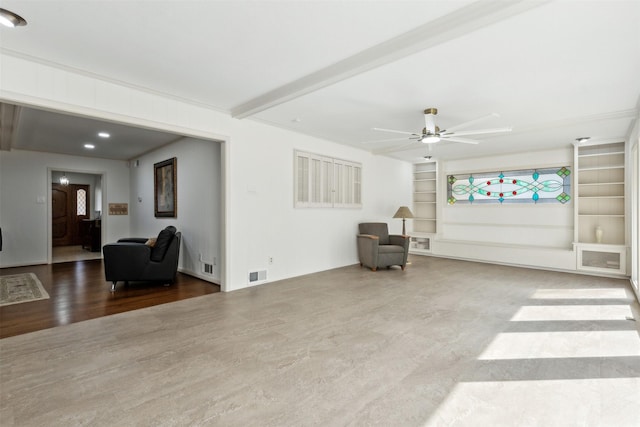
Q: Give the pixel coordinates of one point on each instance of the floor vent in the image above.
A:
(256, 277)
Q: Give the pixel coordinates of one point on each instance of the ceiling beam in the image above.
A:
(462, 21)
(9, 116)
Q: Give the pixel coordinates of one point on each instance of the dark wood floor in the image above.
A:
(78, 291)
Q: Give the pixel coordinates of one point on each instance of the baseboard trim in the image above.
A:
(199, 276)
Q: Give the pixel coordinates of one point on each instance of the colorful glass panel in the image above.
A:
(549, 185)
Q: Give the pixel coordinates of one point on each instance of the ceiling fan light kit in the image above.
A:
(430, 139)
(10, 19)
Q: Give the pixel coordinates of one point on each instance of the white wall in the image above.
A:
(199, 179)
(25, 201)
(539, 235)
(257, 160)
(300, 241)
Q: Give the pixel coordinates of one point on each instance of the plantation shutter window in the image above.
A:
(302, 180)
(322, 181)
(357, 185)
(327, 173)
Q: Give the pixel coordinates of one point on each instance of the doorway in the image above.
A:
(75, 216)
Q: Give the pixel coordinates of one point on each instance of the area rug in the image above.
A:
(18, 288)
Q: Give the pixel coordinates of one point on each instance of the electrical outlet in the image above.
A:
(270, 260)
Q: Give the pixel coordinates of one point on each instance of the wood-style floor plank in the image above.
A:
(78, 291)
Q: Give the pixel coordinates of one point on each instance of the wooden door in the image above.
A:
(67, 212)
(60, 207)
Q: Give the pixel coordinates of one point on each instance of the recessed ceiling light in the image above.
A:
(583, 139)
(104, 134)
(89, 146)
(10, 19)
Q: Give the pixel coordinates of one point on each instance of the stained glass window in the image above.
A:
(549, 185)
(81, 202)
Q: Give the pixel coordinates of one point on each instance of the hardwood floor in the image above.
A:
(78, 291)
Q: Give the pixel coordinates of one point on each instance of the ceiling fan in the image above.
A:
(431, 133)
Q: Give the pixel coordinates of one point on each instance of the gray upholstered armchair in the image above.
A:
(142, 259)
(377, 249)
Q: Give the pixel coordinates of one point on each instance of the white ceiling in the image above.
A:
(554, 71)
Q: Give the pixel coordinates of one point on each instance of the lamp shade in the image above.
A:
(403, 212)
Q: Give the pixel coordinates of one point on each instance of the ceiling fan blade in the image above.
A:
(476, 132)
(396, 148)
(472, 122)
(396, 131)
(463, 140)
(385, 140)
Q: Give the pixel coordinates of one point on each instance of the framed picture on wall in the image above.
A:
(165, 188)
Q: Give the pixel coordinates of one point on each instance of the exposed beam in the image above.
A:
(462, 21)
(9, 116)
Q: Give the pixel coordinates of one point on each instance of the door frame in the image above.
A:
(208, 134)
(103, 227)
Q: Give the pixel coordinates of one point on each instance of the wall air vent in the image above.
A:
(207, 268)
(257, 277)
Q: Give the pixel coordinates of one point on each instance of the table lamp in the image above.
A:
(403, 212)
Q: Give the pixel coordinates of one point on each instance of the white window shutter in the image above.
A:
(301, 196)
(326, 182)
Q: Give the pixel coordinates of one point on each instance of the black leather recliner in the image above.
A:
(132, 259)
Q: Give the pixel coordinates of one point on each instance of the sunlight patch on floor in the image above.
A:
(525, 345)
(572, 312)
(581, 293)
(583, 402)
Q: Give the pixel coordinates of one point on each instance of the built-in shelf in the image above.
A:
(603, 215)
(420, 244)
(600, 258)
(602, 183)
(597, 168)
(600, 208)
(425, 178)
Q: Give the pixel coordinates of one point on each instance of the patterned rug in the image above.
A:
(19, 288)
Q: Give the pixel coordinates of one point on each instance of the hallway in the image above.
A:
(72, 253)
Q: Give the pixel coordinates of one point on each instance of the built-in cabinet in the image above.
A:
(424, 206)
(600, 237)
(600, 228)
